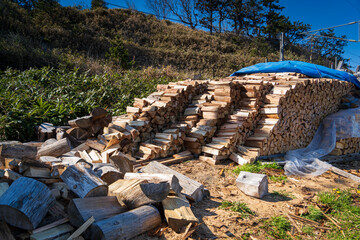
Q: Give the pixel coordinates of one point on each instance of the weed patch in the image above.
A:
(278, 227)
(256, 167)
(238, 207)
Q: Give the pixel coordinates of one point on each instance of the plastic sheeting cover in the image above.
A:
(309, 69)
(340, 125)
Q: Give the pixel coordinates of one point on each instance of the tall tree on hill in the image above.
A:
(159, 8)
(222, 10)
(329, 46)
(98, 4)
(185, 11)
(208, 9)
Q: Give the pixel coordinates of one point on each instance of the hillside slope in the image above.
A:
(67, 36)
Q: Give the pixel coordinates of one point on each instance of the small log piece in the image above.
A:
(55, 149)
(252, 184)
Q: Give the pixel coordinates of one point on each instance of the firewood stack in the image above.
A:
(292, 112)
(212, 113)
(346, 146)
(239, 123)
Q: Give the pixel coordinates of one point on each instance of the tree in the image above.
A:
(208, 9)
(329, 46)
(118, 54)
(185, 11)
(98, 4)
(159, 8)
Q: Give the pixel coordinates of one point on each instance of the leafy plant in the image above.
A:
(281, 178)
(32, 97)
(238, 207)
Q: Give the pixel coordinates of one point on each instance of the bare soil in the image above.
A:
(220, 181)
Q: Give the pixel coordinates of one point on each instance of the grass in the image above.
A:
(314, 214)
(342, 205)
(255, 167)
(283, 194)
(238, 207)
(281, 178)
(277, 227)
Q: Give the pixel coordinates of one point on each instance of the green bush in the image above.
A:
(32, 97)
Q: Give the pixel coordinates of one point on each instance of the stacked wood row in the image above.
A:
(346, 146)
(292, 112)
(212, 113)
(238, 125)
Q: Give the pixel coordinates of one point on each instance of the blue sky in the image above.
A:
(318, 13)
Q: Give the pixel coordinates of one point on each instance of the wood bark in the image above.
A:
(127, 225)
(55, 149)
(252, 184)
(81, 209)
(83, 181)
(25, 203)
(191, 188)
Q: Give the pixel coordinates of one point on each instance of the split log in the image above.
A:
(83, 181)
(177, 212)
(59, 232)
(81, 209)
(156, 178)
(107, 172)
(191, 188)
(25, 203)
(127, 225)
(135, 193)
(122, 163)
(55, 149)
(252, 184)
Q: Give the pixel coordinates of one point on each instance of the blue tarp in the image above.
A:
(309, 69)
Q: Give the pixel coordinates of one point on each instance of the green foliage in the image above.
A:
(344, 207)
(238, 207)
(277, 227)
(280, 178)
(32, 97)
(255, 167)
(118, 53)
(314, 214)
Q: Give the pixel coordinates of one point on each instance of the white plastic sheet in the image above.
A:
(340, 125)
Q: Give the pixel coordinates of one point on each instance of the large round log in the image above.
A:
(83, 181)
(25, 203)
(127, 225)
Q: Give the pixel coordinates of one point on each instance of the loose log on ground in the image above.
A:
(81, 209)
(25, 203)
(177, 212)
(18, 151)
(252, 184)
(191, 188)
(127, 225)
(83, 181)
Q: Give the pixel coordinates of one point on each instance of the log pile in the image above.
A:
(292, 112)
(238, 125)
(346, 146)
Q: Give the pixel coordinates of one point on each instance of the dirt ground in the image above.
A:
(220, 179)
